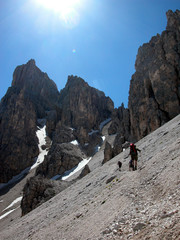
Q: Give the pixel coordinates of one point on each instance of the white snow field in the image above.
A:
(7, 213)
(41, 134)
(71, 172)
(13, 203)
(17, 200)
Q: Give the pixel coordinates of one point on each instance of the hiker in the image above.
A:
(120, 165)
(134, 157)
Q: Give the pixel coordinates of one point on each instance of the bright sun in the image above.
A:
(66, 9)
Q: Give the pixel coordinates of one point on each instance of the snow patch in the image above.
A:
(100, 126)
(41, 135)
(75, 142)
(104, 123)
(103, 138)
(71, 172)
(73, 129)
(82, 164)
(4, 215)
(97, 148)
(13, 203)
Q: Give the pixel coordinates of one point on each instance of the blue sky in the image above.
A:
(98, 40)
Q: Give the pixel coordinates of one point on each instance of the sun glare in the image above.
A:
(66, 9)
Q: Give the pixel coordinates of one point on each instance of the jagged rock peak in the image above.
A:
(173, 20)
(75, 80)
(30, 76)
(83, 105)
(31, 96)
(31, 62)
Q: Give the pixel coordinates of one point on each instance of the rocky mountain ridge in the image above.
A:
(112, 204)
(33, 96)
(80, 122)
(153, 100)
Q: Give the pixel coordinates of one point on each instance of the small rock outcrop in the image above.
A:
(85, 171)
(108, 152)
(154, 95)
(118, 144)
(112, 151)
(61, 158)
(39, 190)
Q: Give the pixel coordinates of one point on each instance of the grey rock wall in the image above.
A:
(154, 95)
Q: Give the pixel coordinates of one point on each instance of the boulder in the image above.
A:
(61, 158)
(85, 171)
(118, 142)
(108, 152)
(39, 190)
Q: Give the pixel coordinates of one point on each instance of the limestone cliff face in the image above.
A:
(18, 142)
(32, 94)
(120, 122)
(37, 86)
(154, 95)
(83, 105)
(81, 108)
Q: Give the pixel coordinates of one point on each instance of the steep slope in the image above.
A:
(135, 205)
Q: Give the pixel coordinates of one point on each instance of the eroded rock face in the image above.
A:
(69, 115)
(108, 152)
(83, 105)
(154, 96)
(18, 141)
(39, 190)
(40, 89)
(61, 157)
(118, 144)
(120, 122)
(32, 94)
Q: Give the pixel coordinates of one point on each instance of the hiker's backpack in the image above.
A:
(133, 150)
